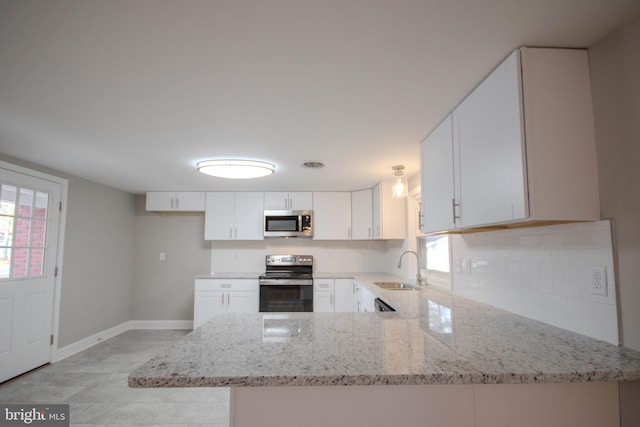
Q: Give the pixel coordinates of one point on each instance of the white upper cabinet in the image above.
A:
(181, 201)
(389, 213)
(362, 215)
(487, 128)
(332, 215)
(234, 216)
(292, 201)
(436, 188)
(522, 147)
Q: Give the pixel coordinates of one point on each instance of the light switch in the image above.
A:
(162, 256)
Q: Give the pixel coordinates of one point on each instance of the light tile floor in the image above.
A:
(94, 383)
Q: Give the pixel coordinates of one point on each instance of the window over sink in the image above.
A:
(435, 256)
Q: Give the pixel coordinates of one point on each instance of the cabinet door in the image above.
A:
(488, 134)
(219, 216)
(323, 302)
(301, 201)
(189, 201)
(249, 218)
(343, 295)
(332, 215)
(206, 304)
(368, 300)
(362, 215)
(243, 301)
(389, 213)
(276, 200)
(437, 175)
(160, 200)
(357, 297)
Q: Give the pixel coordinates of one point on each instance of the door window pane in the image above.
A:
(42, 204)
(23, 226)
(25, 203)
(20, 259)
(8, 200)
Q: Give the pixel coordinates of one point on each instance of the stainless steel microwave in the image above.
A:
(288, 223)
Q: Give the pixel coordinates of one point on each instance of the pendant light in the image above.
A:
(235, 169)
(399, 186)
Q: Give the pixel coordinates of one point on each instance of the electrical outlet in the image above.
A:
(598, 281)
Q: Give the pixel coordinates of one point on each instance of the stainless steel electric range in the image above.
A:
(287, 284)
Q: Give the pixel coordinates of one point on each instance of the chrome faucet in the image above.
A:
(419, 279)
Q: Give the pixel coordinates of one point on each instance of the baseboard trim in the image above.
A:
(90, 341)
(161, 324)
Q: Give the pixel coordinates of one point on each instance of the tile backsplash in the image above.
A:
(542, 273)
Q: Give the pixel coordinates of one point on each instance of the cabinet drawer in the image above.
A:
(323, 284)
(226, 285)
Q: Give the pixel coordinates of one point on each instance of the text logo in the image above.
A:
(34, 415)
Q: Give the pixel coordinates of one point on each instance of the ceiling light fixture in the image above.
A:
(235, 169)
(399, 186)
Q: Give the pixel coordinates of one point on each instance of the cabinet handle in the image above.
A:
(420, 218)
(228, 299)
(222, 301)
(286, 203)
(236, 236)
(172, 203)
(331, 299)
(177, 203)
(231, 234)
(370, 232)
(226, 285)
(453, 208)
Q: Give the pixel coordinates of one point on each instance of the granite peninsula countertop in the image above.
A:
(433, 338)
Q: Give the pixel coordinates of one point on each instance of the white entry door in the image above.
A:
(29, 224)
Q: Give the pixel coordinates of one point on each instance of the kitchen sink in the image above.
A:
(396, 286)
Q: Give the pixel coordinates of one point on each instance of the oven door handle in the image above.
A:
(285, 282)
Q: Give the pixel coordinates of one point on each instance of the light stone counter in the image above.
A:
(433, 338)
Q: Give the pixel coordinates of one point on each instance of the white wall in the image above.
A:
(615, 80)
(541, 273)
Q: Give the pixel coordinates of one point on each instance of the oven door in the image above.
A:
(286, 298)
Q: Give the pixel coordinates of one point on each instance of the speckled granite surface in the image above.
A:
(434, 338)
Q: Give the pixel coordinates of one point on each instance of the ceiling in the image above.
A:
(132, 93)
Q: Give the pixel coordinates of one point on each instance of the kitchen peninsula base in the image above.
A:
(472, 405)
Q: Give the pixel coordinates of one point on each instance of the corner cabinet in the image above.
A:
(519, 148)
(389, 214)
(213, 296)
(172, 201)
(234, 216)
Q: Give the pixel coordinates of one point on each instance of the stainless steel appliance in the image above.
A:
(287, 284)
(288, 223)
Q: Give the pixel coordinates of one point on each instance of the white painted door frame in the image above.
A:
(58, 262)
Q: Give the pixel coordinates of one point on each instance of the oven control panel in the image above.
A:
(306, 260)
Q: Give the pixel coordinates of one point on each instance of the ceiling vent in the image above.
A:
(312, 165)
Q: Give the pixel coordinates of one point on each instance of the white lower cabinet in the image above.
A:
(323, 296)
(343, 295)
(214, 296)
(333, 295)
(368, 300)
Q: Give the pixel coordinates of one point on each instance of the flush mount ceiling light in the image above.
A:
(399, 186)
(235, 169)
